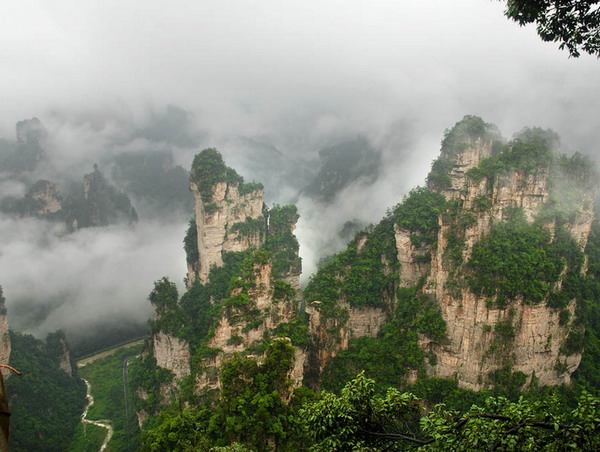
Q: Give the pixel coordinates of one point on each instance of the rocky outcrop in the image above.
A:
(414, 261)
(100, 204)
(353, 297)
(246, 325)
(58, 349)
(64, 362)
(330, 335)
(476, 150)
(171, 353)
(4, 343)
(474, 349)
(46, 198)
(250, 303)
(215, 223)
(42, 200)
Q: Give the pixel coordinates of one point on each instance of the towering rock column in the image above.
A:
(229, 213)
(534, 333)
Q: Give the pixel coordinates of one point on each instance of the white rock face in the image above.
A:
(469, 356)
(141, 414)
(297, 372)
(172, 353)
(235, 333)
(214, 222)
(411, 267)
(65, 360)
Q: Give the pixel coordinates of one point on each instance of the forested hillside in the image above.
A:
(48, 398)
(476, 289)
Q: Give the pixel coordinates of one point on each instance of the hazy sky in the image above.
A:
(298, 74)
(291, 67)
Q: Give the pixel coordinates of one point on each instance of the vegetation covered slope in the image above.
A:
(46, 402)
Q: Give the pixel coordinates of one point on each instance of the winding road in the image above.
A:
(101, 423)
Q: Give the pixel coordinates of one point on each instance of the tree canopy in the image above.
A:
(575, 24)
(361, 419)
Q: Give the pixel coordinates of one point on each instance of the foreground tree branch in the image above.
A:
(575, 24)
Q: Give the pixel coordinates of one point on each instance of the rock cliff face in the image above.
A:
(486, 332)
(413, 266)
(428, 279)
(172, 353)
(243, 275)
(100, 204)
(351, 297)
(330, 335)
(58, 349)
(244, 325)
(64, 362)
(215, 223)
(474, 350)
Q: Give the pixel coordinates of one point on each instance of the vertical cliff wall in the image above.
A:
(351, 296)
(228, 214)
(487, 332)
(216, 225)
(480, 282)
(259, 307)
(58, 349)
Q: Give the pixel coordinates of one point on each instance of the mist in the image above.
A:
(268, 84)
(94, 276)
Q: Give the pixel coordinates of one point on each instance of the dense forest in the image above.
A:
(46, 400)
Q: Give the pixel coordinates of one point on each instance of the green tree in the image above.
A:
(575, 24)
(355, 419)
(252, 410)
(360, 418)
